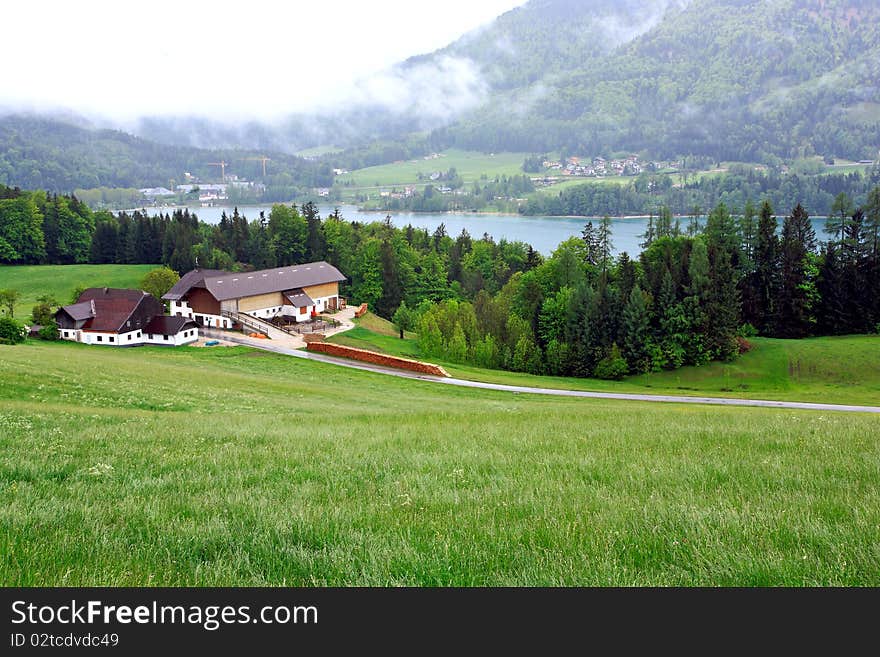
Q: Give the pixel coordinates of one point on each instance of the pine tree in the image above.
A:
(391, 288)
(606, 246)
(796, 316)
(592, 249)
(841, 210)
(871, 292)
(698, 294)
(748, 228)
(635, 335)
(723, 307)
(672, 325)
(833, 313)
(315, 245)
(765, 278)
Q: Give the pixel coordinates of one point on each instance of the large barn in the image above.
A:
(295, 292)
(122, 318)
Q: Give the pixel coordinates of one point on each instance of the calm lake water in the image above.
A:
(543, 233)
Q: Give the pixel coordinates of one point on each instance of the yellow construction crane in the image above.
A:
(262, 159)
(222, 165)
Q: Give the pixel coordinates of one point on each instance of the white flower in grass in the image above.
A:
(101, 470)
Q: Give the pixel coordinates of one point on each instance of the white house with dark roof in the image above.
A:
(295, 292)
(122, 318)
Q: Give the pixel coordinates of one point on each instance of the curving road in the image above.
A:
(720, 401)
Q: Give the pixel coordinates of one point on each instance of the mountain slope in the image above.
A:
(521, 47)
(735, 79)
(545, 37)
(41, 153)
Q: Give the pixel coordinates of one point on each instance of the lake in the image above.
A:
(543, 233)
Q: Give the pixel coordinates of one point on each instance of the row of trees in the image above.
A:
(688, 299)
(647, 192)
(693, 295)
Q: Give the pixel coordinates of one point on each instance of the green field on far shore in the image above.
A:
(469, 165)
(232, 467)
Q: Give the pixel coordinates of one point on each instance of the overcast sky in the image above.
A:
(224, 59)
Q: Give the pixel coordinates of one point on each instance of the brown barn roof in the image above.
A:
(114, 293)
(191, 279)
(226, 285)
(108, 309)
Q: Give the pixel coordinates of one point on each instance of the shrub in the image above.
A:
(49, 331)
(42, 314)
(747, 331)
(743, 345)
(158, 281)
(613, 367)
(11, 332)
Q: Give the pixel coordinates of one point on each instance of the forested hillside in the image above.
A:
(57, 156)
(731, 79)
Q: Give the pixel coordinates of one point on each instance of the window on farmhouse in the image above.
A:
(303, 310)
(164, 337)
(100, 339)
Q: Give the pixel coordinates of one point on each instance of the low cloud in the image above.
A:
(437, 91)
(619, 29)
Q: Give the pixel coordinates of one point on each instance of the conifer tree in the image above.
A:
(765, 279)
(635, 335)
(796, 296)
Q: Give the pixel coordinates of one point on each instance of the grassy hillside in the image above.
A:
(61, 280)
(233, 467)
(842, 370)
(470, 165)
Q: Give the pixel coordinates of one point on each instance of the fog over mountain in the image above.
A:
(429, 91)
(742, 79)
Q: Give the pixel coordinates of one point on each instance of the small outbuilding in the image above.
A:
(171, 331)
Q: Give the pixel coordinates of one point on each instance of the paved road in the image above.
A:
(720, 401)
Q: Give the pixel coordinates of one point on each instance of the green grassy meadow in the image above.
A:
(470, 165)
(60, 281)
(836, 370)
(229, 466)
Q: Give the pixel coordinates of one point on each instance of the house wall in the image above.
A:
(325, 290)
(183, 337)
(323, 294)
(129, 339)
(260, 302)
(180, 308)
(293, 312)
(216, 321)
